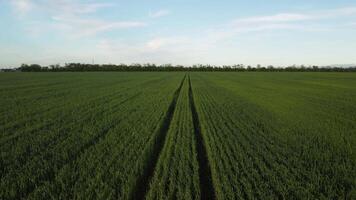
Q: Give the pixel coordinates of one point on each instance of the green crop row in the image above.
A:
(279, 136)
(92, 146)
(176, 175)
(177, 135)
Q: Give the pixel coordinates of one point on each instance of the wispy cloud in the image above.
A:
(339, 12)
(73, 7)
(282, 17)
(159, 13)
(21, 7)
(210, 40)
(162, 42)
(156, 50)
(79, 27)
(71, 17)
(308, 21)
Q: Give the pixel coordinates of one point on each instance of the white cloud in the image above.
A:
(21, 7)
(70, 17)
(308, 21)
(161, 42)
(72, 7)
(79, 27)
(298, 17)
(207, 45)
(283, 17)
(154, 45)
(159, 50)
(159, 13)
(74, 20)
(336, 12)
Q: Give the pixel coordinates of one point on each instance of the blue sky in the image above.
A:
(277, 32)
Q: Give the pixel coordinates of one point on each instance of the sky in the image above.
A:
(178, 32)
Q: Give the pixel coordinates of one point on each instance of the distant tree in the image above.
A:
(30, 68)
(78, 67)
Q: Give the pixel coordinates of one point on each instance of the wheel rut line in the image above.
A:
(205, 176)
(143, 182)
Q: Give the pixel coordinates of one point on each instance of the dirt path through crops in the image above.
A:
(143, 183)
(205, 177)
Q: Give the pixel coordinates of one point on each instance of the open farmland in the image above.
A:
(178, 135)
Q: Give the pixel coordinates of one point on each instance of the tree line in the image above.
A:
(80, 67)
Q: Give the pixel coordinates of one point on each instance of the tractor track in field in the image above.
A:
(143, 182)
(207, 190)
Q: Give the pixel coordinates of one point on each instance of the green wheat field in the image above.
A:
(178, 135)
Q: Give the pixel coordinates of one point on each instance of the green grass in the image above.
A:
(279, 135)
(157, 135)
(90, 145)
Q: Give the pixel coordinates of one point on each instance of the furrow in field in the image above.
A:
(228, 154)
(236, 143)
(176, 174)
(249, 140)
(117, 136)
(143, 181)
(206, 185)
(114, 158)
(64, 152)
